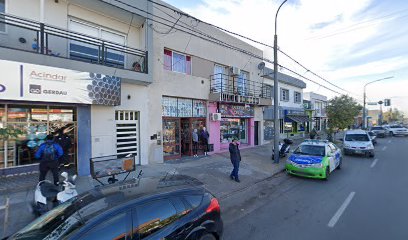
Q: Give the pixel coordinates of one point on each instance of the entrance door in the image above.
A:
(256, 132)
(186, 140)
(171, 138)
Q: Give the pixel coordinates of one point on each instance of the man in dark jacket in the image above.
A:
(49, 153)
(65, 142)
(205, 135)
(235, 156)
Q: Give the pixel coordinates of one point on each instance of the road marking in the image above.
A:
(389, 141)
(375, 162)
(383, 149)
(340, 211)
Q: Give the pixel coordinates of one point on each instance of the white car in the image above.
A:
(398, 130)
(358, 142)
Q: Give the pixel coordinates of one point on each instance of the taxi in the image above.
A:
(314, 159)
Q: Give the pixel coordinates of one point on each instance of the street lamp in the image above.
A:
(364, 100)
(276, 91)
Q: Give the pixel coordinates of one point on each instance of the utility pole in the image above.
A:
(276, 92)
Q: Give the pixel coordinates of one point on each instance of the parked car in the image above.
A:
(373, 137)
(314, 159)
(173, 207)
(398, 130)
(379, 131)
(357, 142)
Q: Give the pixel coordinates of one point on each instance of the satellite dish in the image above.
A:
(261, 66)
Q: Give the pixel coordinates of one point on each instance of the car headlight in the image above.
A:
(347, 145)
(370, 146)
(288, 161)
(316, 165)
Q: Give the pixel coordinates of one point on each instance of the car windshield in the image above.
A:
(310, 150)
(357, 137)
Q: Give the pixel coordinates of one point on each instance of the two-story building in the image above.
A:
(318, 103)
(77, 66)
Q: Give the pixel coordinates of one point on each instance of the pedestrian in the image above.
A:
(65, 142)
(313, 133)
(235, 156)
(204, 138)
(195, 142)
(49, 154)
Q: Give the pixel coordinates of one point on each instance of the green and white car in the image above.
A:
(314, 159)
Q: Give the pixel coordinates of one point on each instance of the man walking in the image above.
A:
(49, 153)
(65, 142)
(235, 156)
(204, 137)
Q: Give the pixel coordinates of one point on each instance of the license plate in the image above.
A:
(358, 151)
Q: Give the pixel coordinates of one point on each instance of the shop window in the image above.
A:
(268, 130)
(284, 95)
(233, 128)
(177, 62)
(183, 107)
(171, 137)
(298, 97)
(2, 10)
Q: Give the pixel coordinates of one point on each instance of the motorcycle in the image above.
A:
(283, 148)
(47, 195)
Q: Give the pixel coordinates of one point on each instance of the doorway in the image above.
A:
(256, 132)
(187, 127)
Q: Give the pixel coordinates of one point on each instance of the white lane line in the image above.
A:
(340, 211)
(383, 149)
(375, 162)
(389, 141)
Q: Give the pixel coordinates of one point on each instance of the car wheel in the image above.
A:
(207, 236)
(345, 152)
(327, 173)
(339, 166)
(371, 155)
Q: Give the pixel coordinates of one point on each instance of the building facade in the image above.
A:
(81, 67)
(318, 104)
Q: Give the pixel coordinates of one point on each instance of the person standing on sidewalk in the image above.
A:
(195, 142)
(49, 154)
(204, 138)
(235, 156)
(65, 142)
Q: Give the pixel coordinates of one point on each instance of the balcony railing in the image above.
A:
(27, 35)
(237, 85)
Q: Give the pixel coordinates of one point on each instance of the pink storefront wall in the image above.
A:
(214, 129)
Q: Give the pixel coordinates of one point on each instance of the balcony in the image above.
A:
(31, 36)
(235, 89)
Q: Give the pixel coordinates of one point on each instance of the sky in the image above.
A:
(347, 42)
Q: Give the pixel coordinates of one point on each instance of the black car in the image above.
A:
(175, 207)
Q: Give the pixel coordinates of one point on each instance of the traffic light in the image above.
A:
(387, 102)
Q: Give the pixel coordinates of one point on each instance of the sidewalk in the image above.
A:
(212, 170)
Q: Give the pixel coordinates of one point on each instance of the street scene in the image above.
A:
(207, 119)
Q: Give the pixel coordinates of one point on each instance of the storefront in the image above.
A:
(180, 117)
(294, 121)
(37, 100)
(237, 121)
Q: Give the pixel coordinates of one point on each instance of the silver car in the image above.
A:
(379, 131)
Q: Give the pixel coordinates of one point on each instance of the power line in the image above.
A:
(250, 39)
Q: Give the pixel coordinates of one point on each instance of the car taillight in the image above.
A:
(214, 206)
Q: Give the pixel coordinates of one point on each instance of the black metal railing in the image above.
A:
(237, 85)
(29, 35)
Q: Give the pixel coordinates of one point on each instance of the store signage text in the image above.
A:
(229, 110)
(2, 88)
(47, 76)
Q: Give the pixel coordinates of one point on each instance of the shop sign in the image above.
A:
(30, 82)
(229, 110)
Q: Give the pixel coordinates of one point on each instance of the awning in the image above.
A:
(298, 118)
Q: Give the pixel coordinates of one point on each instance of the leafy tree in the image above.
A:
(393, 115)
(341, 112)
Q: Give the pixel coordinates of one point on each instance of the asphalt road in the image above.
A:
(366, 199)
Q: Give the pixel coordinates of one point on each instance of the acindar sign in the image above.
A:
(30, 82)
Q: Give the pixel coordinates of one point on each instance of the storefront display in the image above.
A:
(171, 137)
(268, 130)
(35, 122)
(233, 128)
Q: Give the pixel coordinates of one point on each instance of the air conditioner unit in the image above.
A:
(235, 71)
(216, 116)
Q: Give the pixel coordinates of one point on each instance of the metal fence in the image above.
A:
(32, 36)
(238, 85)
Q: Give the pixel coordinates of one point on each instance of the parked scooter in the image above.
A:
(47, 195)
(283, 148)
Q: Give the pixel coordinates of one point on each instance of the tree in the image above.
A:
(393, 115)
(341, 112)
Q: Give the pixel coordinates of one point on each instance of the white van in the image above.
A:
(357, 142)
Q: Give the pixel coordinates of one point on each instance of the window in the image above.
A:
(114, 228)
(84, 51)
(220, 81)
(194, 200)
(243, 83)
(298, 97)
(177, 62)
(153, 216)
(284, 95)
(2, 10)
(267, 91)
